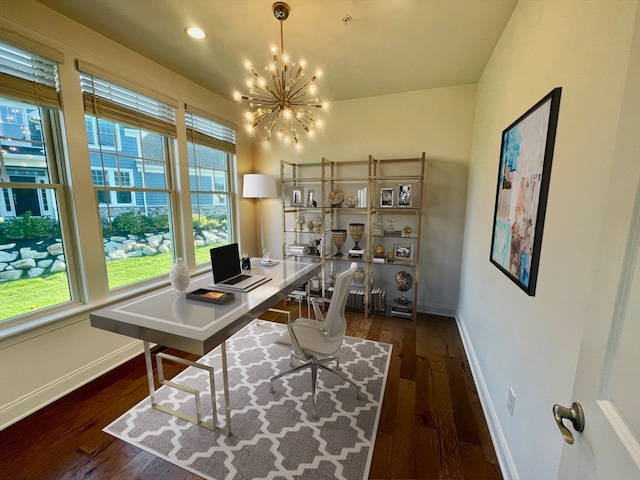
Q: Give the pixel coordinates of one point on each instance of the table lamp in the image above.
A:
(259, 185)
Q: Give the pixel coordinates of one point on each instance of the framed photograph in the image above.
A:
(311, 198)
(386, 197)
(403, 252)
(524, 172)
(404, 195)
(297, 197)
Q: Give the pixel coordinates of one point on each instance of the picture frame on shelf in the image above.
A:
(403, 252)
(404, 195)
(524, 173)
(297, 197)
(386, 197)
(311, 200)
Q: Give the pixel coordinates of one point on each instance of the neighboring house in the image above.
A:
(121, 149)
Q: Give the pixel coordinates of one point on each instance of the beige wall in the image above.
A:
(531, 344)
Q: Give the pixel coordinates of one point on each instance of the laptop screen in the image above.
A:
(225, 262)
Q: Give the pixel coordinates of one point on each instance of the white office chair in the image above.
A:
(315, 341)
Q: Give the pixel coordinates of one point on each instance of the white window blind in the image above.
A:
(104, 99)
(28, 77)
(206, 132)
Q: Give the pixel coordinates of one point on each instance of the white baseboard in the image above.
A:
(34, 401)
(437, 309)
(508, 468)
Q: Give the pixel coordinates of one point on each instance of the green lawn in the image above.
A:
(25, 295)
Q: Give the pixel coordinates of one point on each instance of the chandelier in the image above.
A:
(284, 106)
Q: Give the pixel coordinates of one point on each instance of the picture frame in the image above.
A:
(403, 252)
(297, 197)
(524, 173)
(386, 197)
(311, 198)
(404, 195)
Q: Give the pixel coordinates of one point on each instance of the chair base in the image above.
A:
(314, 363)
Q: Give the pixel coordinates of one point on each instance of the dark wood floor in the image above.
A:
(431, 425)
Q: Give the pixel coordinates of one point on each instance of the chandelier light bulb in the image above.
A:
(283, 100)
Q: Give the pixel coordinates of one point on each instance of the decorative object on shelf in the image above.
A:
(404, 195)
(300, 221)
(245, 263)
(403, 282)
(390, 257)
(524, 172)
(351, 201)
(391, 228)
(310, 225)
(362, 197)
(336, 197)
(406, 230)
(311, 202)
(179, 276)
(317, 224)
(297, 194)
(377, 228)
(386, 197)
(286, 104)
(356, 230)
(379, 251)
(403, 252)
(338, 237)
(358, 275)
(259, 185)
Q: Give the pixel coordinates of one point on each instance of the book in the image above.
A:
(211, 296)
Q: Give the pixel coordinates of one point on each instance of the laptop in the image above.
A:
(227, 275)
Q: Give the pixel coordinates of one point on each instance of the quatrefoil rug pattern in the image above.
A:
(274, 436)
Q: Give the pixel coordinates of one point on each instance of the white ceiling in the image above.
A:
(389, 46)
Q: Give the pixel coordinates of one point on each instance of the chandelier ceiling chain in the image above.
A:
(287, 103)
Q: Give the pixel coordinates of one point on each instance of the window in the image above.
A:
(122, 178)
(33, 262)
(131, 140)
(211, 149)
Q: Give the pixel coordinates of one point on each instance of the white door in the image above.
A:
(607, 383)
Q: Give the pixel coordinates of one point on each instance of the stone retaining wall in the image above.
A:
(29, 259)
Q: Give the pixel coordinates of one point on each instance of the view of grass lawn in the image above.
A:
(29, 294)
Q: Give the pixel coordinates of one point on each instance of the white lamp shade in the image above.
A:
(259, 185)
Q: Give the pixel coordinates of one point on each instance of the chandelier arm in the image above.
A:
(307, 83)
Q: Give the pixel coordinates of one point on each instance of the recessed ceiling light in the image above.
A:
(195, 32)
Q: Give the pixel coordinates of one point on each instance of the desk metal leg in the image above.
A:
(214, 425)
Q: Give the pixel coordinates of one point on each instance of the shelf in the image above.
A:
(369, 175)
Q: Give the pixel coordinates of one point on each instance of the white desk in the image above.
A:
(169, 319)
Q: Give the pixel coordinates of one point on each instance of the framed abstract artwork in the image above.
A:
(521, 196)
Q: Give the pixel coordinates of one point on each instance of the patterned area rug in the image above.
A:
(274, 436)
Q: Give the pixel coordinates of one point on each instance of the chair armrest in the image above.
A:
(316, 307)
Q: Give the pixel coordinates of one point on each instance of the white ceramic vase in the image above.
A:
(179, 276)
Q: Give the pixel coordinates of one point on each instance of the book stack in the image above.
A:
(378, 301)
(298, 249)
(400, 311)
(356, 253)
(392, 233)
(355, 299)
